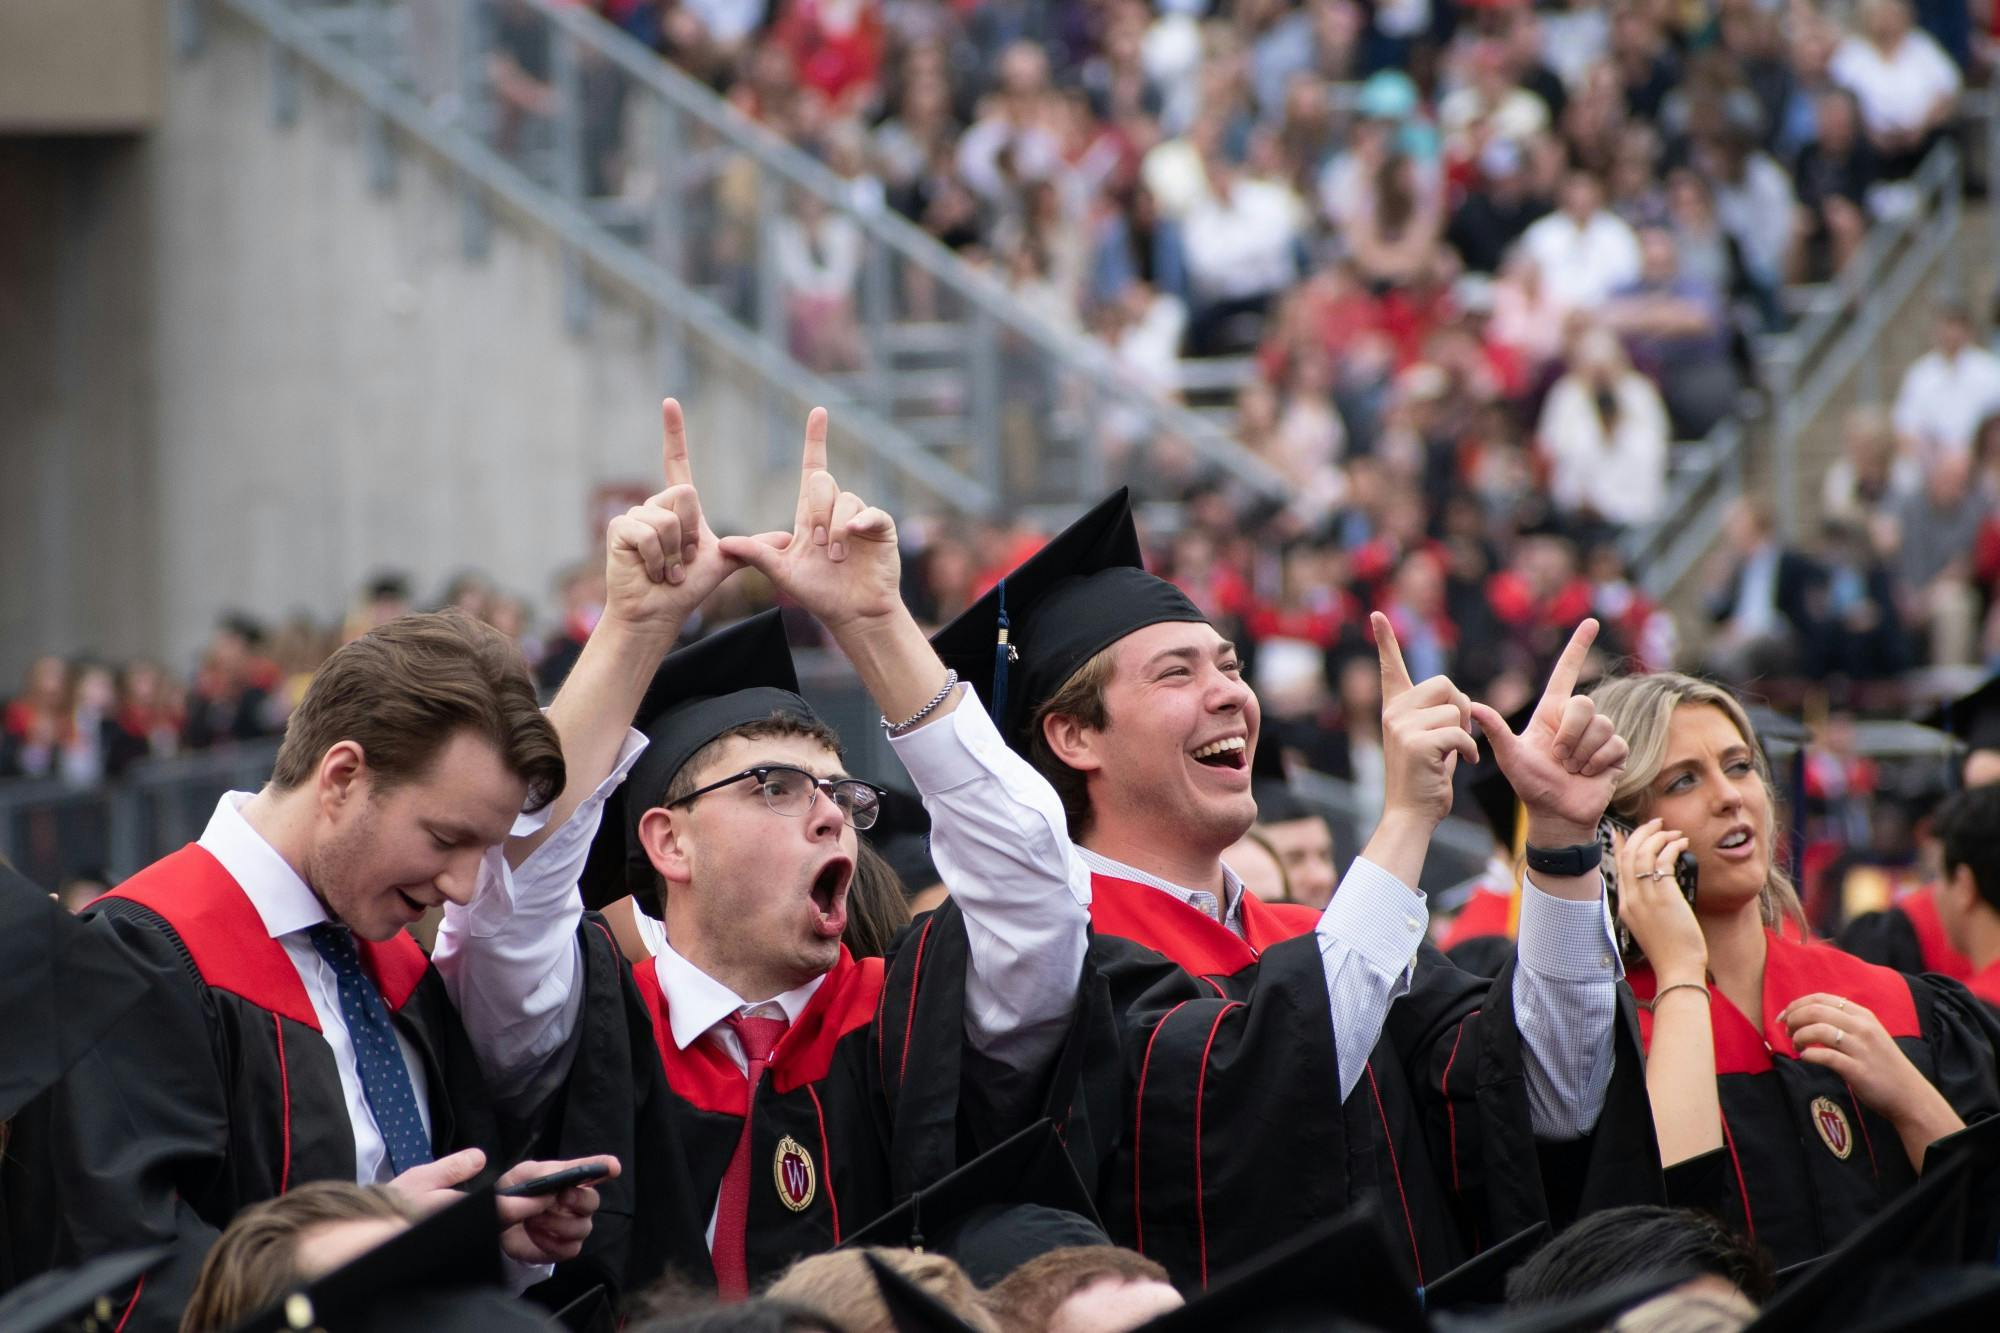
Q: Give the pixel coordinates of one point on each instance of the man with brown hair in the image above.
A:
(295, 1032)
(1082, 1289)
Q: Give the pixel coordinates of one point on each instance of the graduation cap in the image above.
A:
(1972, 719)
(90, 1296)
(63, 984)
(1927, 1226)
(1482, 1279)
(440, 1276)
(902, 836)
(1078, 595)
(1018, 1199)
(737, 675)
(1294, 1286)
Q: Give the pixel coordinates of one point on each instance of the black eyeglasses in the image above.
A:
(790, 791)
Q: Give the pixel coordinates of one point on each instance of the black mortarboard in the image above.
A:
(91, 1296)
(961, 1214)
(440, 1276)
(1088, 588)
(1972, 719)
(1293, 1286)
(1482, 1279)
(739, 674)
(902, 836)
(63, 984)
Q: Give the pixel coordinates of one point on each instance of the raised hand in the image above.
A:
(839, 561)
(1837, 1034)
(1566, 763)
(661, 558)
(1426, 730)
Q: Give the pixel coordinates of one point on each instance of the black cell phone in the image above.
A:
(556, 1181)
(1687, 872)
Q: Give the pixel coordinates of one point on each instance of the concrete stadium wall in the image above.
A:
(234, 375)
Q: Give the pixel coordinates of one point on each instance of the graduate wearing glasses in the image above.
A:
(768, 1093)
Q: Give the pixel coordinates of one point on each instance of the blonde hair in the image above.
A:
(840, 1287)
(256, 1260)
(1642, 708)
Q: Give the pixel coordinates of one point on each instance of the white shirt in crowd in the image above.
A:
(1943, 399)
(1582, 265)
(1246, 246)
(1621, 472)
(1896, 92)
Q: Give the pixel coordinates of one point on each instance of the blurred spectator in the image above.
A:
(231, 700)
(818, 254)
(1584, 251)
(1675, 327)
(1755, 205)
(1906, 85)
(37, 722)
(1492, 217)
(92, 744)
(582, 603)
(1871, 477)
(1762, 599)
(1931, 541)
(1242, 242)
(1863, 630)
(1394, 236)
(1834, 173)
(1948, 391)
(836, 48)
(151, 714)
(1604, 433)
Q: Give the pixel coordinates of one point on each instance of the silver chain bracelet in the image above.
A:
(901, 728)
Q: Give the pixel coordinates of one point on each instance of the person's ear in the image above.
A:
(663, 834)
(342, 777)
(1072, 742)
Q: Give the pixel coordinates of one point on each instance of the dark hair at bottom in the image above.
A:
(1622, 1245)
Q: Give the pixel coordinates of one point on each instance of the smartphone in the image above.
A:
(1687, 872)
(556, 1181)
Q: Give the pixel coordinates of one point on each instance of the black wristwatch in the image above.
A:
(1565, 862)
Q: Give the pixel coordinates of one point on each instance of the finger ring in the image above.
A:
(1839, 1035)
(1840, 1005)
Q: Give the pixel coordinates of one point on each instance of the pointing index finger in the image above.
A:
(1569, 667)
(1395, 675)
(815, 455)
(674, 445)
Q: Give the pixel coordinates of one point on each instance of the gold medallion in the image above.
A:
(793, 1170)
(1834, 1131)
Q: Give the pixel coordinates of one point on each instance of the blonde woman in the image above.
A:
(1818, 1080)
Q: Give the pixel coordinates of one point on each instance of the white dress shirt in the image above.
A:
(288, 910)
(1582, 266)
(1943, 399)
(510, 959)
(1897, 91)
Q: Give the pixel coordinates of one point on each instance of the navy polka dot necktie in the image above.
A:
(385, 1079)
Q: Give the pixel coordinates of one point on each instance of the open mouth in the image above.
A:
(1231, 753)
(1733, 839)
(829, 896)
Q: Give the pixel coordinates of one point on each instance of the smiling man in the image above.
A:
(768, 1092)
(294, 1031)
(1436, 1086)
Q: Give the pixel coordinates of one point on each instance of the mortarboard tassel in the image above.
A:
(1003, 653)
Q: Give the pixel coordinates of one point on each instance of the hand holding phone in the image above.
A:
(1653, 878)
(555, 1182)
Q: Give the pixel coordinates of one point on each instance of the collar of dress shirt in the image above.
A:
(696, 1002)
(281, 898)
(1232, 887)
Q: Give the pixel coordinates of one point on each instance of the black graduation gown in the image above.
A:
(1908, 936)
(1233, 1136)
(1803, 1162)
(216, 1093)
(872, 1094)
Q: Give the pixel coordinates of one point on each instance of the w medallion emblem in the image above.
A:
(1834, 1131)
(793, 1170)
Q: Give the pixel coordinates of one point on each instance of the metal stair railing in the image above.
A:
(1803, 368)
(653, 181)
(349, 45)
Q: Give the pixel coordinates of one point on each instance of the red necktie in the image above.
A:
(732, 1212)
